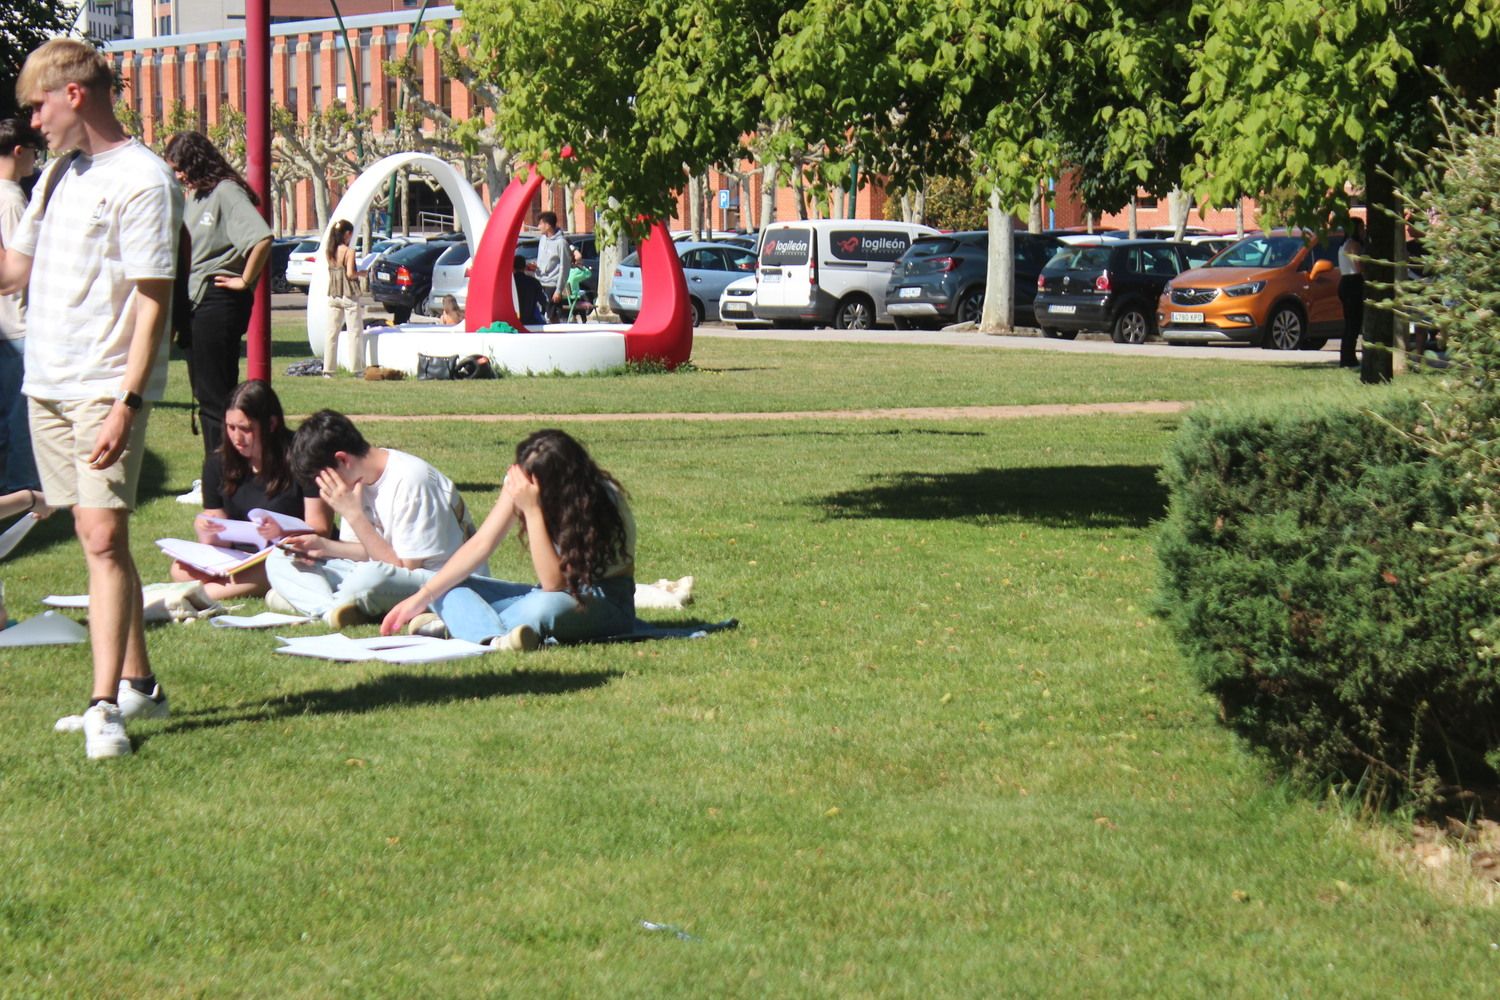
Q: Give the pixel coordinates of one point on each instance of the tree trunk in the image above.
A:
(1239, 218)
(1088, 223)
(1034, 210)
(1134, 217)
(695, 204)
(610, 255)
(1381, 236)
(767, 196)
(320, 200)
(799, 188)
(1000, 277)
(1179, 204)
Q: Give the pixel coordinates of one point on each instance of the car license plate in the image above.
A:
(770, 278)
(1187, 317)
(1063, 310)
(383, 275)
(629, 303)
(910, 293)
(734, 307)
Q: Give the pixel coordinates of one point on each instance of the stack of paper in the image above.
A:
(388, 649)
(214, 560)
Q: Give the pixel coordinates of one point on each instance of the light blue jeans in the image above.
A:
(312, 589)
(481, 608)
(17, 467)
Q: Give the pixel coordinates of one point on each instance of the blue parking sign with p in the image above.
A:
(723, 197)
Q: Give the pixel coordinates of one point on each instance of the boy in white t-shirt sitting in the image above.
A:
(400, 521)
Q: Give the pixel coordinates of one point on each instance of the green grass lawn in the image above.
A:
(949, 750)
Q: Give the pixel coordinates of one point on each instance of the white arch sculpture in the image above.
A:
(355, 206)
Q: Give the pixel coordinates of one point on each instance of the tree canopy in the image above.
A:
(25, 24)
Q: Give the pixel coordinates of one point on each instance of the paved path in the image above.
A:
(897, 413)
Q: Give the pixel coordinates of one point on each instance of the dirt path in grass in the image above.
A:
(896, 413)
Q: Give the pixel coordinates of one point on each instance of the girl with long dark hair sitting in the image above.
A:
(576, 524)
(252, 469)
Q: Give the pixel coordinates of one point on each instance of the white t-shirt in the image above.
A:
(1347, 264)
(12, 307)
(113, 220)
(417, 509)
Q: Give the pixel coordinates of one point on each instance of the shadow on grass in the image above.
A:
(392, 690)
(1072, 495)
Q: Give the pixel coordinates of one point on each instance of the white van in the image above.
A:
(829, 272)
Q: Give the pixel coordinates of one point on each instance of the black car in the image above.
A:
(402, 279)
(281, 252)
(940, 279)
(1110, 287)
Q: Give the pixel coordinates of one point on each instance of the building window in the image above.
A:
(164, 25)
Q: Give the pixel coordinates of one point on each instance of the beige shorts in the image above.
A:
(62, 438)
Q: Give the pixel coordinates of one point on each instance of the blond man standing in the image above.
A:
(96, 252)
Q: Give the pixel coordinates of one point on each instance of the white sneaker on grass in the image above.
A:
(275, 602)
(104, 732)
(133, 705)
(428, 624)
(521, 639)
(194, 496)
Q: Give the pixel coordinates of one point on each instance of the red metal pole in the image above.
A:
(258, 168)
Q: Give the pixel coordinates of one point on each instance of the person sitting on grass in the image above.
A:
(251, 469)
(452, 314)
(401, 520)
(574, 519)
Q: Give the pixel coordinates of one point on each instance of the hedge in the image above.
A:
(1306, 603)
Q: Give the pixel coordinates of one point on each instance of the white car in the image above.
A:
(737, 304)
(450, 276)
(299, 266)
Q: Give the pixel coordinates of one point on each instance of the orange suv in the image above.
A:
(1279, 290)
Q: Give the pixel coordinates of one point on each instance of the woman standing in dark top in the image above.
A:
(252, 469)
(231, 244)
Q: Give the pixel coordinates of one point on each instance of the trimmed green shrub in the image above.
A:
(1306, 603)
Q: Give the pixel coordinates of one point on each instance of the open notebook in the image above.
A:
(223, 559)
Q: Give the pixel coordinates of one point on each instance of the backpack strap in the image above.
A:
(53, 176)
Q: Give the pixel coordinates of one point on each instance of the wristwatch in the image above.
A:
(132, 400)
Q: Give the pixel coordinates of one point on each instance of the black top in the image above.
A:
(250, 495)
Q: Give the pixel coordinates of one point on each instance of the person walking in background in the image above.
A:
(19, 143)
(1352, 292)
(552, 263)
(97, 253)
(231, 244)
(343, 301)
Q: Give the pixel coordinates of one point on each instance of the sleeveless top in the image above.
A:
(339, 286)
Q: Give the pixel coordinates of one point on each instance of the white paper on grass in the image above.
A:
(266, 619)
(47, 629)
(248, 532)
(212, 559)
(388, 649)
(15, 533)
(73, 602)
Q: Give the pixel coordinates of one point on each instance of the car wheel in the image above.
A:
(1314, 343)
(400, 314)
(697, 312)
(1284, 332)
(1131, 327)
(279, 284)
(1051, 333)
(854, 313)
(902, 323)
(971, 306)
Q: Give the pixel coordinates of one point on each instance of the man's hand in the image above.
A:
(114, 434)
(233, 282)
(397, 618)
(306, 547)
(346, 502)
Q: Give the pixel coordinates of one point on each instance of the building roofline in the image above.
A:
(352, 22)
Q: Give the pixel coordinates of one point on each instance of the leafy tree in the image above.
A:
(1306, 103)
(25, 24)
(321, 149)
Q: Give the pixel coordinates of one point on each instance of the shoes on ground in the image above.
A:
(275, 602)
(132, 704)
(427, 624)
(521, 639)
(194, 496)
(345, 615)
(104, 732)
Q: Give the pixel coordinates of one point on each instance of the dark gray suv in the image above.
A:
(940, 279)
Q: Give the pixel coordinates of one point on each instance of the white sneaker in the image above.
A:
(194, 496)
(427, 624)
(133, 705)
(275, 602)
(521, 639)
(104, 732)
